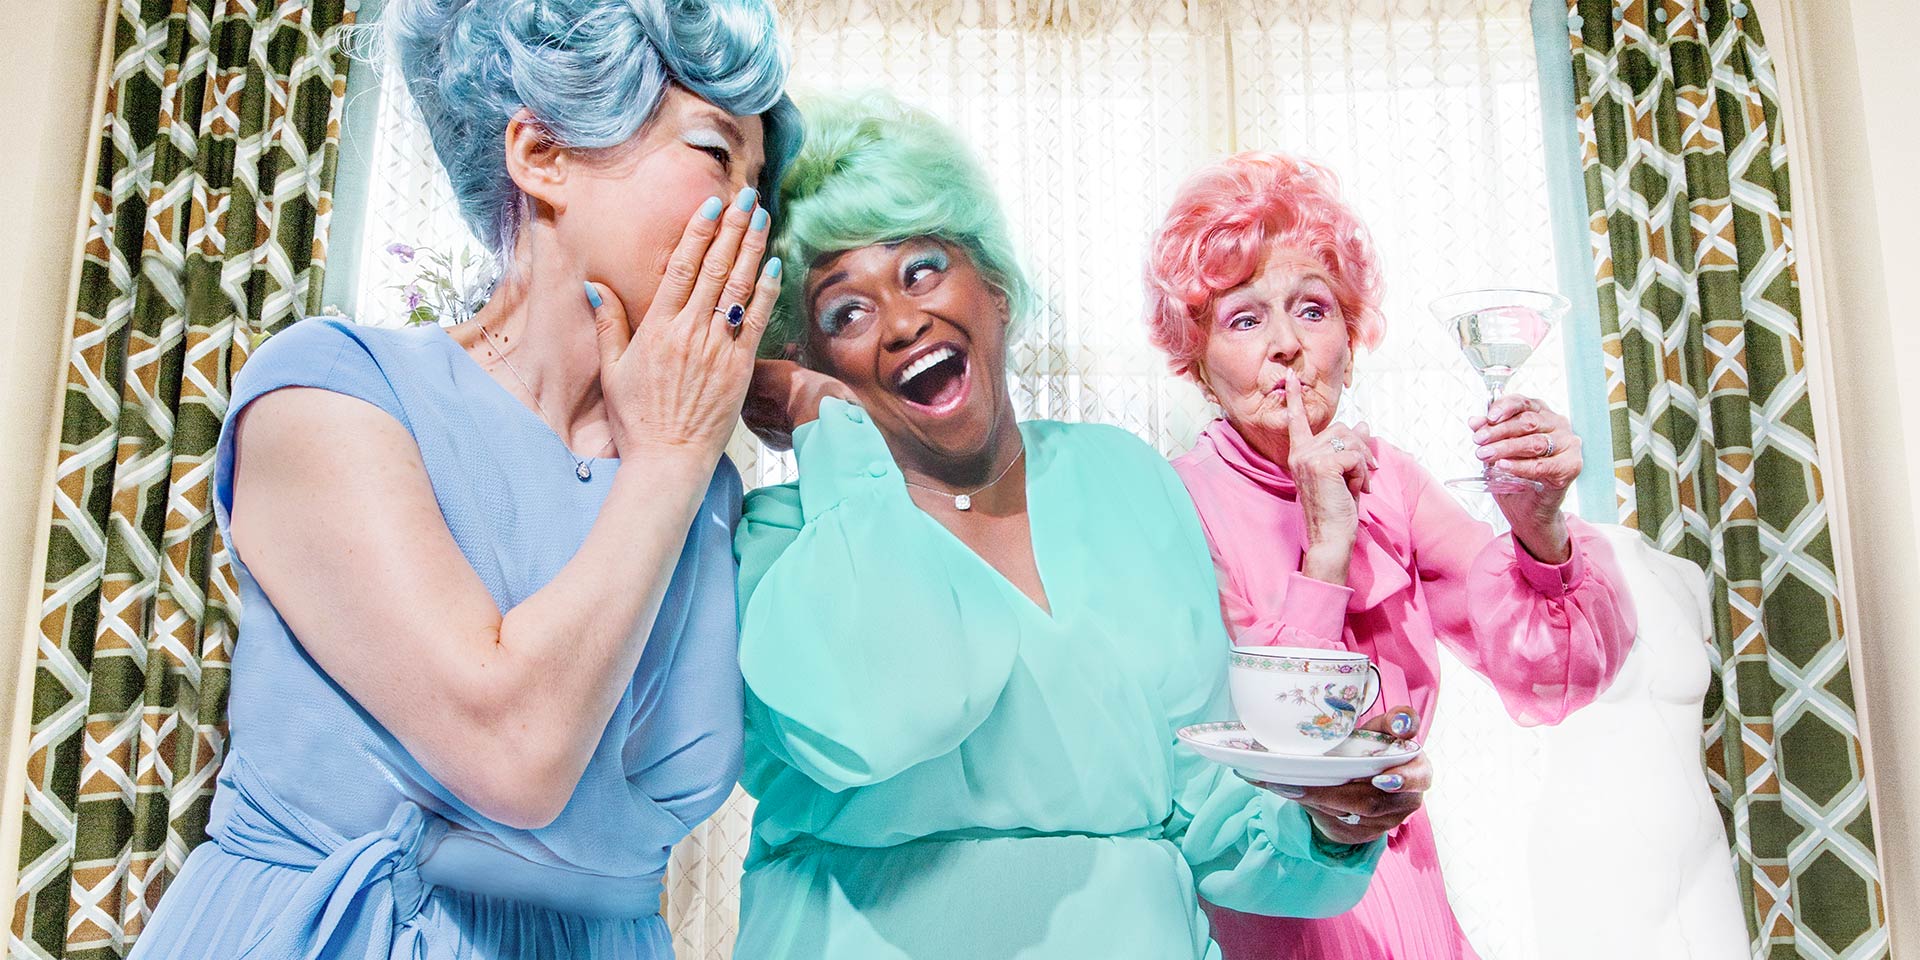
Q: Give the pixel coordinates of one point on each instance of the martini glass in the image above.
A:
(1497, 330)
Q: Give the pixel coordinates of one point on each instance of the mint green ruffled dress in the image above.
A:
(944, 769)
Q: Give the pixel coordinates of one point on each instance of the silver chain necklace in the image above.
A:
(964, 501)
(581, 468)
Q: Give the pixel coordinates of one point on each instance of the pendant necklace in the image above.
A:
(964, 501)
(582, 469)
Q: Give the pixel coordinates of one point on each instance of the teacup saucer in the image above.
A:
(1358, 757)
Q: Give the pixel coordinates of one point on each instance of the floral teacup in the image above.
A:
(1301, 700)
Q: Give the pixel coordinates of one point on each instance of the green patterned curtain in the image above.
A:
(1713, 440)
(210, 203)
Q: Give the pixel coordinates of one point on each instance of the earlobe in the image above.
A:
(536, 162)
(1200, 379)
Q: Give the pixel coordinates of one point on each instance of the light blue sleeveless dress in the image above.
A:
(328, 840)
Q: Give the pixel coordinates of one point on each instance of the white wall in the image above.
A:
(51, 50)
(1849, 81)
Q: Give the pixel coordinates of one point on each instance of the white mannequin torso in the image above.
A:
(1628, 852)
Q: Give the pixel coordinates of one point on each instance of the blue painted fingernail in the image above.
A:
(1402, 724)
(745, 200)
(1389, 782)
(1291, 793)
(711, 209)
(593, 296)
(773, 267)
(759, 221)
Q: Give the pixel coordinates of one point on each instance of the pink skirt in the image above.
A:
(1404, 916)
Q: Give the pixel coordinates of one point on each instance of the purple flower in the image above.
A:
(413, 296)
(401, 250)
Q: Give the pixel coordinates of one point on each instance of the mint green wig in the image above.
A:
(874, 170)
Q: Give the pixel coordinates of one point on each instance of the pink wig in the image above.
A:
(1224, 223)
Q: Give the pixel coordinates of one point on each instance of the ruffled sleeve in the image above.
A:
(1550, 637)
(865, 648)
(1312, 613)
(1254, 852)
(1250, 850)
(1299, 611)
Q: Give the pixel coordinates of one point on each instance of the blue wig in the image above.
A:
(592, 71)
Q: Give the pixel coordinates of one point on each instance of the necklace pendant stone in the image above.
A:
(583, 471)
(962, 502)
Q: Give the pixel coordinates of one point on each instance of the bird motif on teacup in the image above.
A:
(1335, 710)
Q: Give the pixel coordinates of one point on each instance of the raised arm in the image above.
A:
(1549, 636)
(333, 513)
(1313, 613)
(1250, 850)
(1330, 470)
(866, 647)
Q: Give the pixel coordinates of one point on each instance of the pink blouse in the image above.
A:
(1549, 637)
(1424, 572)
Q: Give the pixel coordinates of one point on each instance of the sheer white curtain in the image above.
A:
(1088, 114)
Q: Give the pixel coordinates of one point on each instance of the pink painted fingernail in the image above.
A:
(1483, 453)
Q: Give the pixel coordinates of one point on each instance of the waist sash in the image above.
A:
(363, 895)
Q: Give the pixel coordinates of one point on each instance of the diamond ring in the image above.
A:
(1350, 819)
(1339, 445)
(1549, 444)
(733, 312)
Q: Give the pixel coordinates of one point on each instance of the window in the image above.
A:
(1088, 115)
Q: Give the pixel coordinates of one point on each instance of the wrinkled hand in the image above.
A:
(1330, 470)
(1381, 803)
(785, 396)
(1524, 437)
(676, 379)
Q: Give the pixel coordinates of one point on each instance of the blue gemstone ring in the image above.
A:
(733, 312)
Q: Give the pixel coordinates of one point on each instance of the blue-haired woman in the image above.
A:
(485, 672)
(968, 641)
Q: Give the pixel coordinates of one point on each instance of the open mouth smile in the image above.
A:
(935, 379)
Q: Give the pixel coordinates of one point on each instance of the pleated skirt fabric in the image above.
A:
(1404, 916)
(221, 906)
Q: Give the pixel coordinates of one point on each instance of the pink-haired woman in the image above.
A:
(1261, 285)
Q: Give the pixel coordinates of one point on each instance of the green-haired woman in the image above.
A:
(968, 641)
